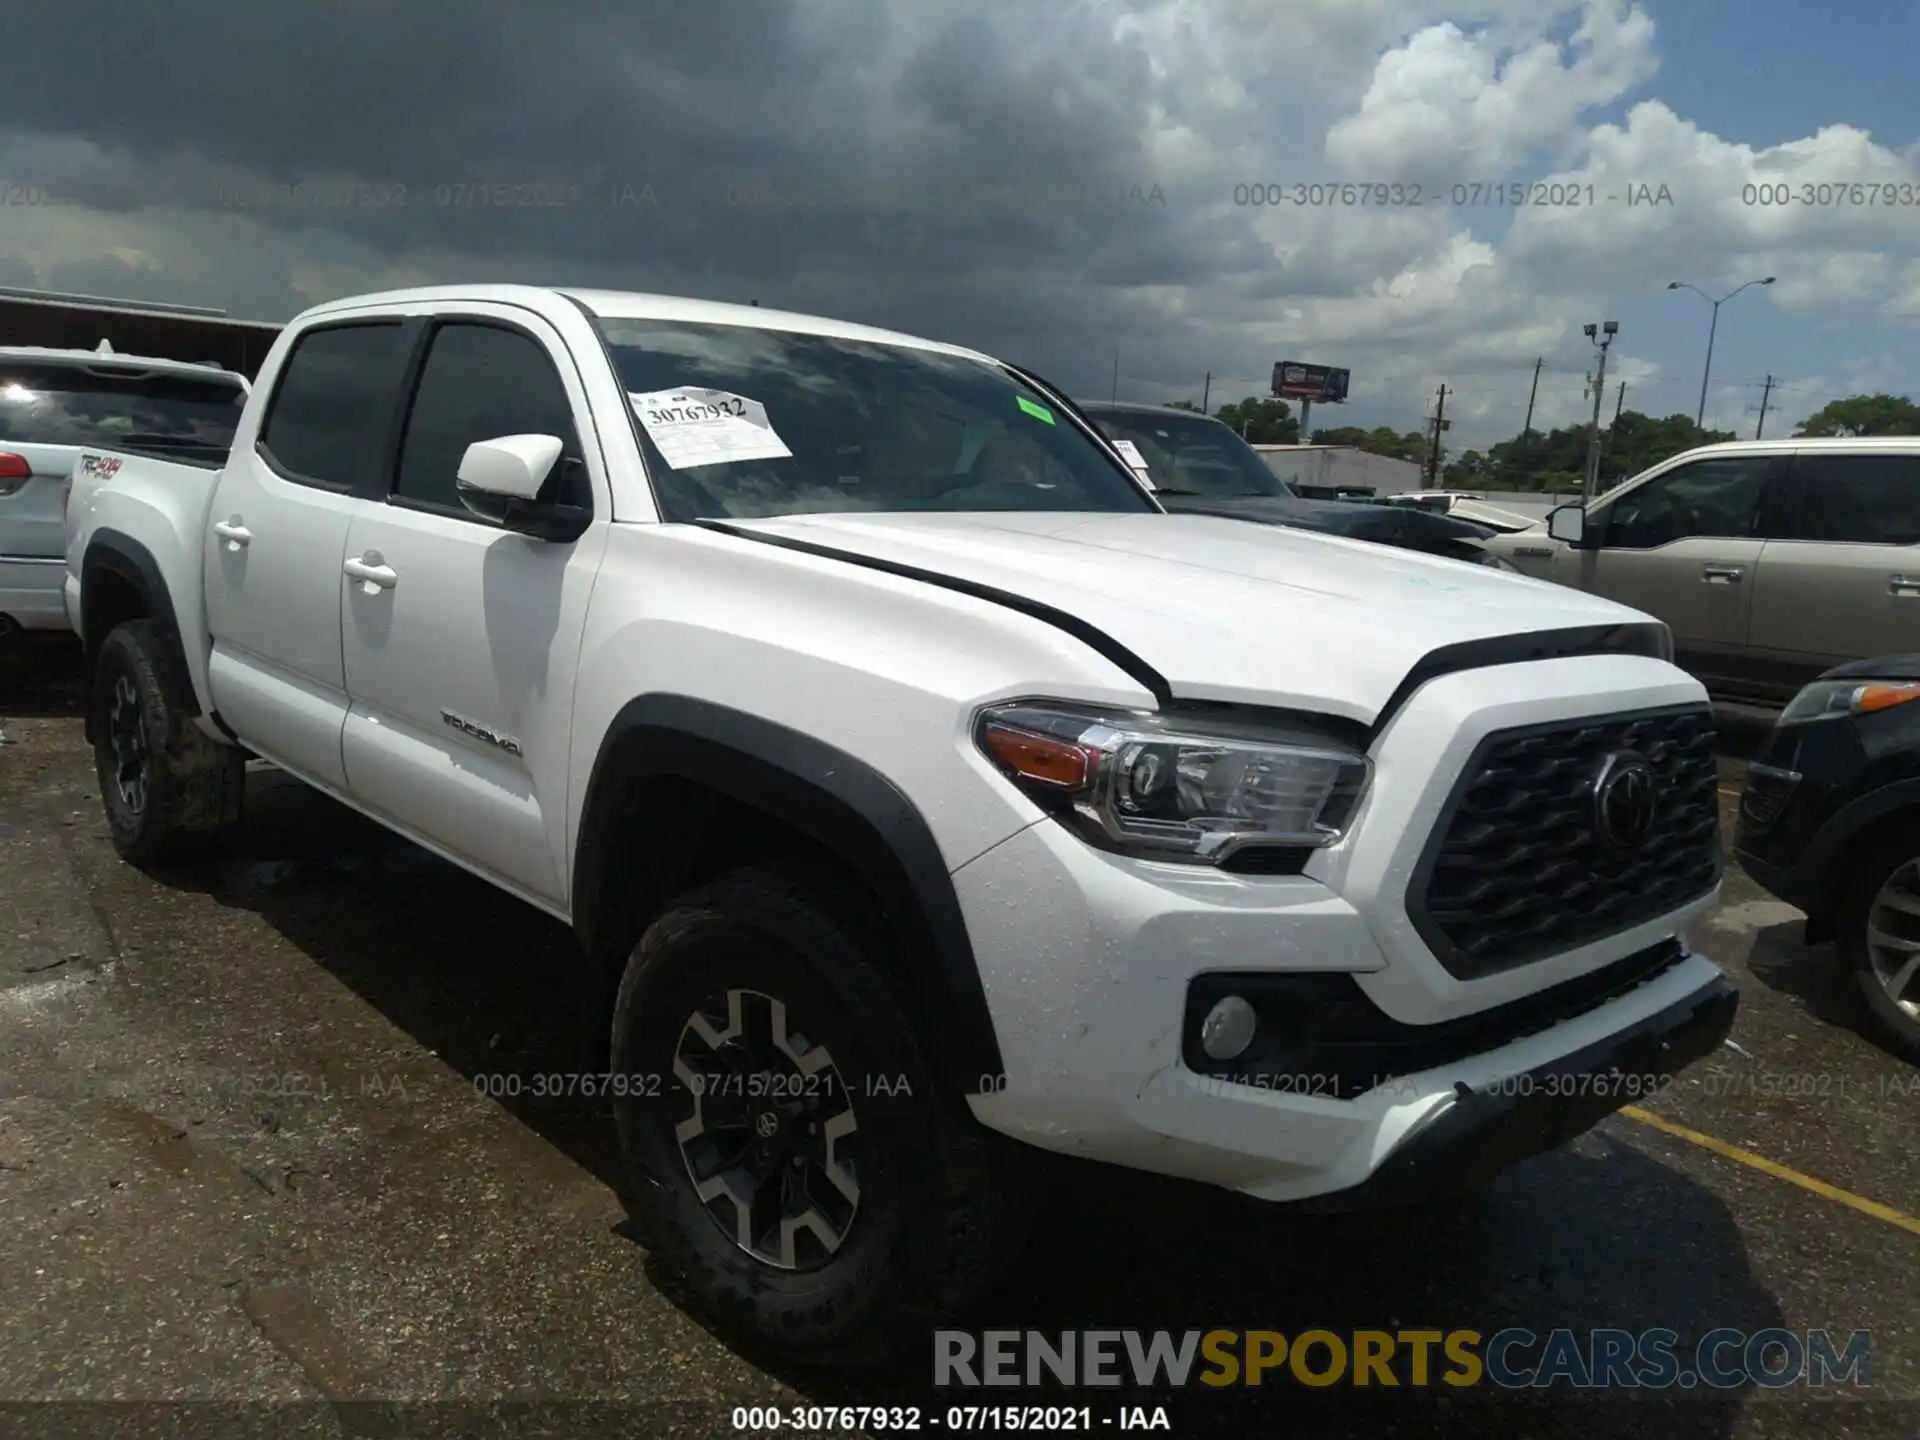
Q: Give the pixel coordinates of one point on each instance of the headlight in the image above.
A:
(1174, 788)
(1831, 699)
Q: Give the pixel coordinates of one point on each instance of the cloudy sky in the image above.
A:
(1057, 181)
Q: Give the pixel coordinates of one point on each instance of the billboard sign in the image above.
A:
(1294, 381)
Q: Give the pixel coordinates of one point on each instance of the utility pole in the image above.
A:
(1116, 374)
(1606, 446)
(1206, 390)
(1526, 430)
(1306, 409)
(1433, 457)
(1761, 428)
(1598, 384)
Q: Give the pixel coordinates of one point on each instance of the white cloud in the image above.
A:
(1197, 96)
(1450, 107)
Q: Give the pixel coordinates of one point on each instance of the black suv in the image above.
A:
(1830, 822)
(1198, 465)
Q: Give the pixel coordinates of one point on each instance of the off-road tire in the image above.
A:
(940, 1213)
(193, 783)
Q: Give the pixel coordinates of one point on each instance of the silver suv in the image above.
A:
(1770, 560)
(54, 404)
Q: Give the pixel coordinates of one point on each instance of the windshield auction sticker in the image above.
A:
(696, 427)
(1130, 453)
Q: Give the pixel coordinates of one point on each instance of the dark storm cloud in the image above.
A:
(980, 173)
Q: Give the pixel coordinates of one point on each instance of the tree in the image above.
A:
(1470, 471)
(1557, 460)
(1183, 405)
(1267, 421)
(1381, 440)
(1864, 415)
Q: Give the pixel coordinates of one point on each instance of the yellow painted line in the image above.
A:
(1777, 1170)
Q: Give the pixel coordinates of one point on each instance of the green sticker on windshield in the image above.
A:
(1039, 412)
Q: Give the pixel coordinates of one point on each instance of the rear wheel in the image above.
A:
(1879, 933)
(166, 785)
(792, 1163)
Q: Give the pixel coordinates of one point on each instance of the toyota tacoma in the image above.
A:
(922, 794)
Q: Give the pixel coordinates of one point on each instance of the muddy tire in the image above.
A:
(167, 787)
(792, 1164)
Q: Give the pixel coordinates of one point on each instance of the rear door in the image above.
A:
(278, 535)
(1843, 581)
(460, 657)
(1683, 546)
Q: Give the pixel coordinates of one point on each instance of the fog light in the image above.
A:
(1228, 1028)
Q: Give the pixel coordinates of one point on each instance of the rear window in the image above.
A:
(107, 407)
(1859, 499)
(741, 422)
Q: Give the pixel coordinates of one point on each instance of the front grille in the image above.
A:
(1516, 870)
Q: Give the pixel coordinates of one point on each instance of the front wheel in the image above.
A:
(1879, 934)
(166, 785)
(792, 1164)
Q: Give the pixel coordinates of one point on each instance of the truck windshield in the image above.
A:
(1193, 454)
(742, 422)
(99, 407)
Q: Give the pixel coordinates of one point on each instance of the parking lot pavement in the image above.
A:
(246, 1161)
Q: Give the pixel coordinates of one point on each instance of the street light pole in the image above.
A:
(1602, 336)
(1713, 326)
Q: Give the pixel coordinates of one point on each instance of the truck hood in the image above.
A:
(1223, 610)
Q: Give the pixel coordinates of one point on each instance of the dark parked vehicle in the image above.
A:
(1830, 822)
(1199, 466)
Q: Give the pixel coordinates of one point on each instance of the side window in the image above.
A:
(1713, 498)
(1858, 499)
(327, 421)
(481, 382)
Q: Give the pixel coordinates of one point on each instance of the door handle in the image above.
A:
(233, 532)
(374, 572)
(1906, 585)
(1722, 574)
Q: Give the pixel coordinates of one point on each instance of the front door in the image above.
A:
(1683, 546)
(460, 637)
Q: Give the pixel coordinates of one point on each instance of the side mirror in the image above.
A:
(514, 466)
(1568, 524)
(501, 480)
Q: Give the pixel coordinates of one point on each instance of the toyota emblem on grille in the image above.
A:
(1626, 797)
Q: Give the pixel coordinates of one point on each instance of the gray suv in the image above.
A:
(1770, 560)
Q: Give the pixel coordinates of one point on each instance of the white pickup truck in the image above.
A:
(912, 781)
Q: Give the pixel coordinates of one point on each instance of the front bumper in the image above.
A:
(1089, 960)
(1798, 786)
(1485, 1132)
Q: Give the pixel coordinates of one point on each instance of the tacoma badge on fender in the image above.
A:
(480, 732)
